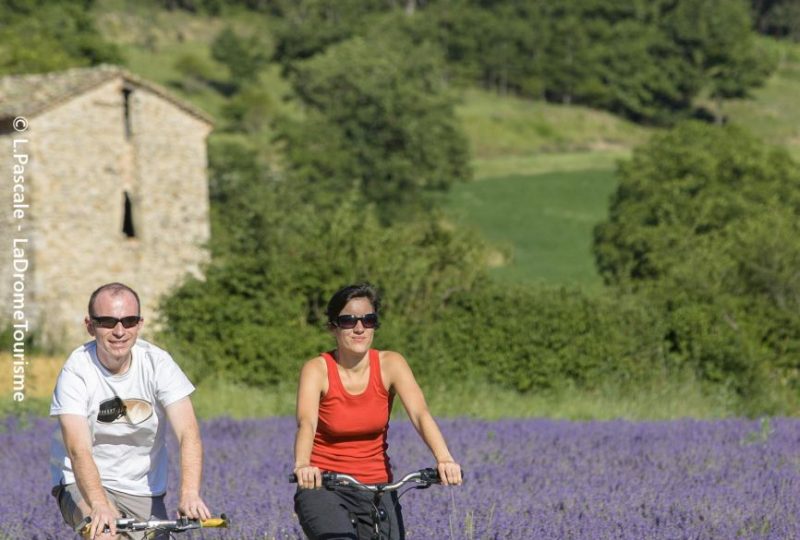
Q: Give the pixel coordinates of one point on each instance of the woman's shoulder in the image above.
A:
(391, 359)
(389, 355)
(315, 371)
(318, 363)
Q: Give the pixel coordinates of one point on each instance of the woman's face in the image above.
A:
(358, 339)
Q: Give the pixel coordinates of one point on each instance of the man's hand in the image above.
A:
(103, 514)
(192, 506)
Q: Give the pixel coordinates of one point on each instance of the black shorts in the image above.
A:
(331, 515)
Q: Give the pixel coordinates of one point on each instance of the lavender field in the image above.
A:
(527, 479)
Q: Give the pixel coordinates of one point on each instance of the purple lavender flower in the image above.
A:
(532, 479)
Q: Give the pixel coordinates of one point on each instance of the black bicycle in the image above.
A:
(421, 479)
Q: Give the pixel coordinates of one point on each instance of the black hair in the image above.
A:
(341, 297)
(115, 289)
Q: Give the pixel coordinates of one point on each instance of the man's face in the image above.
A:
(114, 344)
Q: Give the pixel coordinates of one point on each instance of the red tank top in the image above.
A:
(352, 429)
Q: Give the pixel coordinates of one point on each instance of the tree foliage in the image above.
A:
(260, 309)
(704, 226)
(779, 18)
(688, 183)
(645, 60)
(535, 338)
(379, 118)
(244, 57)
(307, 27)
(39, 36)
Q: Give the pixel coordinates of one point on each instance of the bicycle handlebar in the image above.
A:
(181, 524)
(423, 477)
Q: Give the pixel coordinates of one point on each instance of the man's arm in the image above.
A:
(184, 423)
(78, 444)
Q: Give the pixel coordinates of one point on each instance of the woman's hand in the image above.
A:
(449, 472)
(308, 477)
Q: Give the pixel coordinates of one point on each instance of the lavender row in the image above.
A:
(533, 479)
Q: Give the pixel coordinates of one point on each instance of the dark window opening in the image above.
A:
(127, 220)
(126, 106)
(6, 125)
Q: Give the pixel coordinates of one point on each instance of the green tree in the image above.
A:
(244, 57)
(378, 117)
(704, 227)
(717, 43)
(38, 36)
(779, 18)
(682, 185)
(498, 45)
(259, 312)
(308, 27)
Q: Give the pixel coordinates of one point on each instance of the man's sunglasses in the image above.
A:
(346, 322)
(111, 322)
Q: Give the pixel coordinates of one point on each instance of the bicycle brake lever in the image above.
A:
(84, 524)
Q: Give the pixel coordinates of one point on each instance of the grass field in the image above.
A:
(772, 112)
(506, 126)
(665, 399)
(543, 221)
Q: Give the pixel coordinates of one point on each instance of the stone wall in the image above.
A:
(83, 162)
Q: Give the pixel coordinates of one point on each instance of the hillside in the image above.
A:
(540, 222)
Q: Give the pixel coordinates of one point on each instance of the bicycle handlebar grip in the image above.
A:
(432, 475)
(326, 476)
(221, 521)
(429, 474)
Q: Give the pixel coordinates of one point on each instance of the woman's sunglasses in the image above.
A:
(111, 322)
(346, 322)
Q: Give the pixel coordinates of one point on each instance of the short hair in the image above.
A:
(114, 288)
(341, 297)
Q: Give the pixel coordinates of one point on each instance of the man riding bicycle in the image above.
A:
(113, 399)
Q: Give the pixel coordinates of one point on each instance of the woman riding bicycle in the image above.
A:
(343, 404)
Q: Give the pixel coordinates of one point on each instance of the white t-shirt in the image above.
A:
(126, 415)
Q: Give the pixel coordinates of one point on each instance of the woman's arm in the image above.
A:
(399, 378)
(309, 390)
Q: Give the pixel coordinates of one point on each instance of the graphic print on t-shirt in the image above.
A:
(131, 411)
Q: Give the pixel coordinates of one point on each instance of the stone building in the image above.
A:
(103, 179)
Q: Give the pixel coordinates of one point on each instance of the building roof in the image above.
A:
(30, 95)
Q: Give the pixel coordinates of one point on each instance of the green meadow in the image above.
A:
(543, 177)
(544, 172)
(541, 224)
